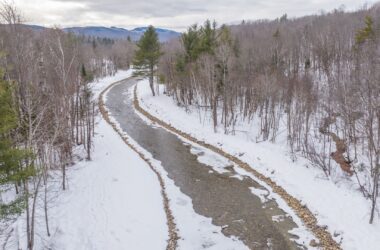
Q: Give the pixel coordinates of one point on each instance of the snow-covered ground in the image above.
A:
(114, 202)
(336, 204)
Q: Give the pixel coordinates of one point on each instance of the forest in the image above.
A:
(46, 108)
(315, 78)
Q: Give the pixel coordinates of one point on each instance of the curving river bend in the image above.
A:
(220, 196)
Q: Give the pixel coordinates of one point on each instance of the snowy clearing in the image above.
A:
(338, 204)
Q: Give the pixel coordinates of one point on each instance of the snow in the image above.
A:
(261, 193)
(98, 86)
(210, 158)
(337, 204)
(278, 218)
(113, 201)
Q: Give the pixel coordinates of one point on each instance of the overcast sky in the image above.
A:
(174, 14)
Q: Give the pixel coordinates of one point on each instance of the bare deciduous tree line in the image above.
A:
(317, 77)
(50, 72)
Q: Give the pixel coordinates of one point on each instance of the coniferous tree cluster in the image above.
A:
(12, 158)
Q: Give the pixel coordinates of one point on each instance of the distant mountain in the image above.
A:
(36, 27)
(115, 32)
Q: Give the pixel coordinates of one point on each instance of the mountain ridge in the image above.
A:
(113, 32)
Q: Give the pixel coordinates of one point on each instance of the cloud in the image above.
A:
(176, 14)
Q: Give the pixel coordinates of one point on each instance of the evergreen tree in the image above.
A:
(86, 76)
(191, 42)
(366, 33)
(147, 55)
(208, 41)
(12, 159)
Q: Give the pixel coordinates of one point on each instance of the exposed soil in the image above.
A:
(341, 148)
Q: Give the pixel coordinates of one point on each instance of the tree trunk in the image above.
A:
(88, 135)
(46, 205)
(375, 191)
(151, 83)
(215, 113)
(63, 176)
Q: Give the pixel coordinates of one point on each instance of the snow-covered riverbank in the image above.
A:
(338, 205)
(112, 201)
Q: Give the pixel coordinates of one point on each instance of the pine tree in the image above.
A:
(147, 55)
(12, 169)
(191, 42)
(208, 38)
(366, 33)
